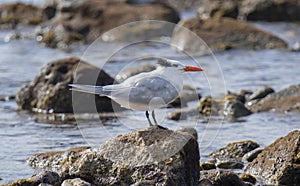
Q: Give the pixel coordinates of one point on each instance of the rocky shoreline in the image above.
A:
(155, 156)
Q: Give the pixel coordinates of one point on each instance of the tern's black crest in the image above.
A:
(167, 63)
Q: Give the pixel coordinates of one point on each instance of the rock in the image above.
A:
(45, 177)
(2, 99)
(55, 159)
(235, 150)
(248, 178)
(205, 182)
(218, 8)
(285, 100)
(152, 156)
(49, 92)
(230, 164)
(250, 156)
(278, 163)
(182, 114)
(188, 94)
(252, 10)
(87, 20)
(209, 106)
(222, 34)
(75, 182)
(270, 10)
(14, 13)
(261, 93)
(222, 178)
(207, 166)
(235, 109)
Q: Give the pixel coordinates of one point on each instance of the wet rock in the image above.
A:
(261, 93)
(45, 177)
(253, 10)
(250, 156)
(285, 100)
(85, 21)
(218, 8)
(182, 114)
(278, 163)
(153, 156)
(2, 99)
(14, 13)
(209, 106)
(248, 178)
(230, 164)
(222, 178)
(49, 92)
(235, 109)
(270, 10)
(75, 182)
(222, 34)
(235, 150)
(207, 166)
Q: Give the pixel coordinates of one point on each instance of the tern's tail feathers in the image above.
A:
(88, 89)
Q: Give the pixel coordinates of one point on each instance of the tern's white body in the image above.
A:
(145, 91)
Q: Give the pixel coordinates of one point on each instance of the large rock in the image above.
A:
(145, 157)
(43, 178)
(14, 13)
(235, 150)
(221, 178)
(49, 92)
(279, 163)
(86, 20)
(285, 100)
(254, 10)
(221, 34)
(270, 10)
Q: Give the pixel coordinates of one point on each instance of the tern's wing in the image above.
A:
(89, 89)
(148, 88)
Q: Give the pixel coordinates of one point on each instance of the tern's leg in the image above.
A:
(154, 119)
(147, 115)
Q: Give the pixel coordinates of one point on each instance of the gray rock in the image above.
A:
(235, 150)
(230, 164)
(250, 156)
(270, 10)
(283, 101)
(222, 178)
(278, 163)
(49, 92)
(222, 34)
(45, 177)
(235, 109)
(253, 10)
(261, 93)
(75, 182)
(152, 155)
(86, 20)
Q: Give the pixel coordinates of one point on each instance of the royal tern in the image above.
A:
(145, 91)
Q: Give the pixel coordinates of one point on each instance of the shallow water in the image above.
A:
(22, 135)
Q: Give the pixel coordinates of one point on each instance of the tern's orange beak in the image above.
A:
(192, 69)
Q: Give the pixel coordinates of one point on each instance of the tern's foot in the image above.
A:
(161, 127)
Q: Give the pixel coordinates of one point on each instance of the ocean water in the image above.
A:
(23, 134)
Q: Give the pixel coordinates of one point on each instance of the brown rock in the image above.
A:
(149, 156)
(14, 13)
(270, 10)
(279, 163)
(87, 20)
(235, 150)
(285, 100)
(49, 92)
(45, 177)
(222, 178)
(221, 34)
